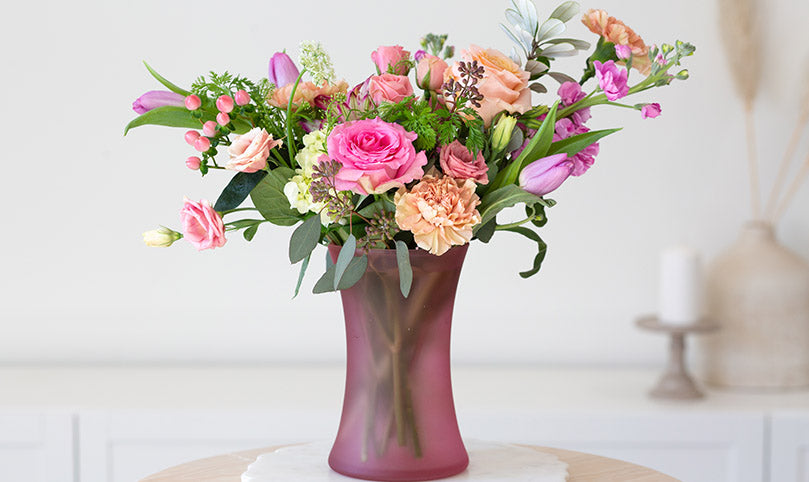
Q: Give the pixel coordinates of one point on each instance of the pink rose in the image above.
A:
(376, 156)
(611, 79)
(391, 60)
(389, 88)
(457, 162)
(249, 152)
(202, 226)
(430, 72)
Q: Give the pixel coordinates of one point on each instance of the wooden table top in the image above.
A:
(581, 468)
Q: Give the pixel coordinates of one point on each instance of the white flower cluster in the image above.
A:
(297, 189)
(317, 62)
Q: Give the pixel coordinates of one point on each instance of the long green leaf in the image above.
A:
(535, 149)
(353, 273)
(165, 82)
(542, 249)
(505, 197)
(304, 265)
(575, 144)
(168, 115)
(238, 189)
(405, 270)
(304, 239)
(250, 232)
(345, 257)
(269, 198)
(244, 223)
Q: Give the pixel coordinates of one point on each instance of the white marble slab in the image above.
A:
(488, 462)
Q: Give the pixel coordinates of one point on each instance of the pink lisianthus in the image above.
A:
(394, 59)
(458, 162)
(389, 88)
(376, 156)
(430, 72)
(249, 152)
(202, 226)
(650, 111)
(545, 175)
(612, 79)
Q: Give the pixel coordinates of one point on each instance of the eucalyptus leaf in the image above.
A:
(238, 189)
(325, 283)
(301, 274)
(269, 198)
(344, 258)
(566, 11)
(165, 82)
(354, 272)
(405, 270)
(560, 77)
(304, 239)
(538, 88)
(168, 116)
(575, 144)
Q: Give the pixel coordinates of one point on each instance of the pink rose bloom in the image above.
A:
(389, 88)
(376, 156)
(249, 152)
(457, 162)
(611, 79)
(504, 85)
(391, 60)
(430, 72)
(202, 226)
(650, 111)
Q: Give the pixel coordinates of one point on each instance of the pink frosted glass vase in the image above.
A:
(398, 421)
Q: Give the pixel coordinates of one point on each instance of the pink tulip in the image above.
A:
(222, 119)
(225, 104)
(545, 175)
(156, 98)
(202, 144)
(209, 128)
(191, 137)
(193, 163)
(242, 97)
(192, 102)
(282, 70)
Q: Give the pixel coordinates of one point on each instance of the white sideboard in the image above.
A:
(120, 424)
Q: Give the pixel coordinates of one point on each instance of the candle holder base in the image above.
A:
(676, 383)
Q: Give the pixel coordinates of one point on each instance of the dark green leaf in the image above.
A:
(575, 144)
(162, 80)
(405, 271)
(486, 231)
(505, 197)
(244, 223)
(269, 198)
(345, 257)
(250, 232)
(238, 189)
(542, 249)
(538, 147)
(168, 115)
(304, 265)
(304, 239)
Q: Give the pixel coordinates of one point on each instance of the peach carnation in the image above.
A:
(615, 31)
(306, 92)
(439, 211)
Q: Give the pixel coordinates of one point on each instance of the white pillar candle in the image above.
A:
(680, 286)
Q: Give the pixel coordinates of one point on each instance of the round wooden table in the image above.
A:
(581, 468)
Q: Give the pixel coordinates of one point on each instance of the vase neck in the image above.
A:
(757, 232)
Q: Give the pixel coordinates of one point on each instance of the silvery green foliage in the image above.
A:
(540, 40)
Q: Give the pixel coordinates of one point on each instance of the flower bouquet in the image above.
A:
(396, 175)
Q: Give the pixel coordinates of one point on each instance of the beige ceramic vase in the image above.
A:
(758, 292)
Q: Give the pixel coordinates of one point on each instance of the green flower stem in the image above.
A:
(291, 144)
(501, 227)
(238, 210)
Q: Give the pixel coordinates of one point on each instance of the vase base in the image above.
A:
(488, 462)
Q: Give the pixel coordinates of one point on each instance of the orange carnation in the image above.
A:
(614, 30)
(439, 211)
(306, 92)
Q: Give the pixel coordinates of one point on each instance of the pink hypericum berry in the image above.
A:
(202, 144)
(191, 137)
(209, 128)
(222, 119)
(192, 102)
(193, 163)
(224, 103)
(242, 97)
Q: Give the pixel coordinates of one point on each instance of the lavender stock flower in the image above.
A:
(157, 98)
(282, 70)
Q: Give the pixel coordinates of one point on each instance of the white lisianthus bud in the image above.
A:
(502, 132)
(161, 237)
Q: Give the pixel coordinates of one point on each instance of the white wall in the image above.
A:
(78, 285)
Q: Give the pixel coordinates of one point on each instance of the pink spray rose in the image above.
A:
(249, 152)
(391, 60)
(202, 226)
(389, 88)
(650, 111)
(457, 162)
(430, 72)
(611, 79)
(376, 156)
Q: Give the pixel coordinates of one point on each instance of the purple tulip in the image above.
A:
(282, 70)
(157, 98)
(545, 175)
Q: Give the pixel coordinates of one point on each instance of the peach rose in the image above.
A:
(249, 152)
(306, 92)
(389, 88)
(430, 72)
(458, 162)
(615, 31)
(439, 211)
(504, 85)
(202, 226)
